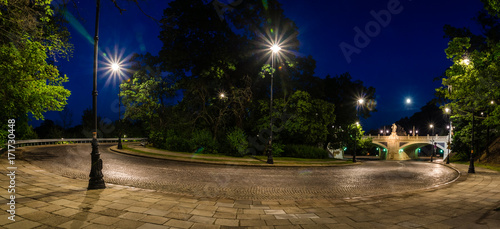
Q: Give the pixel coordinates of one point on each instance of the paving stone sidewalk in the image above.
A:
(47, 200)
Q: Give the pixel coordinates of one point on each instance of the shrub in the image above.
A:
(305, 151)
(238, 143)
(157, 139)
(278, 149)
(175, 142)
(202, 139)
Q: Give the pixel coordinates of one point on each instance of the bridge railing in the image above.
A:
(32, 142)
(409, 137)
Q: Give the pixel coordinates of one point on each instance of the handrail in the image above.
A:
(30, 142)
(409, 137)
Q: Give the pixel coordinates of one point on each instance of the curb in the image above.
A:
(175, 158)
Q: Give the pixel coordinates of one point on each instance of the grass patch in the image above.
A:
(225, 158)
(486, 166)
(292, 159)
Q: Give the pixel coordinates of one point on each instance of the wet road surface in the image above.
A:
(242, 182)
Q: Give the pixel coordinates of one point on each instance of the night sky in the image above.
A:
(401, 59)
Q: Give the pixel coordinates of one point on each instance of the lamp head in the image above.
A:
(275, 48)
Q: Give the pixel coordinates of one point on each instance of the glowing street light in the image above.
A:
(432, 140)
(95, 176)
(115, 67)
(359, 103)
(408, 101)
(275, 48)
(465, 60)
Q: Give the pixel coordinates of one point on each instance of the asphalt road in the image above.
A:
(242, 182)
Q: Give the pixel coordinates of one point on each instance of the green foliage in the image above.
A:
(238, 143)
(493, 6)
(278, 149)
(175, 142)
(304, 151)
(470, 87)
(204, 57)
(300, 119)
(29, 84)
(145, 94)
(32, 39)
(203, 139)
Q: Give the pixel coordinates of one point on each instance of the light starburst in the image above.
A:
(116, 66)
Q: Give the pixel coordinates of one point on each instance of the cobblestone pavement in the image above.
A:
(243, 182)
(48, 200)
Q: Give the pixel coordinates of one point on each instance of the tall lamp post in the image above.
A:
(471, 162)
(358, 103)
(119, 120)
(275, 49)
(95, 181)
(450, 129)
(115, 67)
(432, 141)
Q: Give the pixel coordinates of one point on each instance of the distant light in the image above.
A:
(387, 131)
(408, 101)
(115, 67)
(466, 61)
(448, 127)
(222, 95)
(381, 131)
(357, 123)
(275, 48)
(361, 101)
(492, 102)
(431, 126)
(447, 110)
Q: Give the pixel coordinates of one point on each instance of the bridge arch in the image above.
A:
(397, 146)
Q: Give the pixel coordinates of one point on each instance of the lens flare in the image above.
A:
(116, 66)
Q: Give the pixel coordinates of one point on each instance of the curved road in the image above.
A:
(242, 182)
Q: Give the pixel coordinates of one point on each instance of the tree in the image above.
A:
(345, 93)
(147, 93)
(211, 57)
(471, 83)
(32, 39)
(308, 120)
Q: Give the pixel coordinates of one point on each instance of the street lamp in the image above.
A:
(275, 49)
(119, 116)
(95, 181)
(432, 140)
(471, 162)
(359, 103)
(449, 127)
(408, 101)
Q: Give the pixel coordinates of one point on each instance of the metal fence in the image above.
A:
(33, 142)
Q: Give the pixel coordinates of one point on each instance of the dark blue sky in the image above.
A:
(400, 60)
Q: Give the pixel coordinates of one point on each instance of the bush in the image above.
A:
(305, 151)
(175, 142)
(238, 143)
(278, 149)
(157, 139)
(202, 139)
